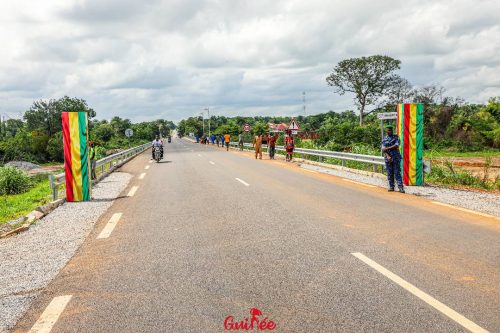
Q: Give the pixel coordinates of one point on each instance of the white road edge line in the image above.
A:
(213, 163)
(142, 175)
(465, 210)
(313, 171)
(110, 226)
(146, 167)
(450, 313)
(243, 182)
(359, 183)
(51, 314)
(132, 191)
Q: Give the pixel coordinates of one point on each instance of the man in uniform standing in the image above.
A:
(92, 160)
(390, 149)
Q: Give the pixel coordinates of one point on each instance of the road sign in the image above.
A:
(129, 132)
(247, 128)
(293, 125)
(294, 132)
(387, 115)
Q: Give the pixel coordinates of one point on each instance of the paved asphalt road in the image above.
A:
(194, 245)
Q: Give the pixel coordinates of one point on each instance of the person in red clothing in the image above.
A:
(271, 141)
(289, 145)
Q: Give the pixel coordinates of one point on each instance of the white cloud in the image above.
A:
(170, 59)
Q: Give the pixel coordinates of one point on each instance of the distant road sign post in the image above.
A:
(128, 133)
(294, 127)
(384, 116)
(387, 115)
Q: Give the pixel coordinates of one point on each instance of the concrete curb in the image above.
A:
(32, 217)
(341, 168)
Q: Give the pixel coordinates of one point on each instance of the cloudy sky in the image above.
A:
(171, 59)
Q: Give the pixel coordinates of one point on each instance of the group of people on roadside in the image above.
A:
(390, 150)
(271, 144)
(219, 140)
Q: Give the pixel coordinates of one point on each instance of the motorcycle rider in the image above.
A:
(157, 143)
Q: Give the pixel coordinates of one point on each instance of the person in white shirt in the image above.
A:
(156, 143)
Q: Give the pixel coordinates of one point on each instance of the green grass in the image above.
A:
(15, 206)
(430, 154)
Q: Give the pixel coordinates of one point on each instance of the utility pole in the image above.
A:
(208, 114)
(203, 121)
(304, 101)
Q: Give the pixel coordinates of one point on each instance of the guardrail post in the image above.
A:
(53, 187)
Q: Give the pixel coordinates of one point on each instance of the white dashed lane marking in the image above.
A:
(110, 226)
(142, 175)
(213, 163)
(450, 313)
(243, 182)
(51, 314)
(132, 191)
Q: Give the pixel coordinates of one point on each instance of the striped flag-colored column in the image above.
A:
(410, 128)
(76, 158)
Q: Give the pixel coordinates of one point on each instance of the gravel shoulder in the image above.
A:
(30, 260)
(478, 201)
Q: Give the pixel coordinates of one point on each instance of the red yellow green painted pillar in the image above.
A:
(76, 156)
(410, 129)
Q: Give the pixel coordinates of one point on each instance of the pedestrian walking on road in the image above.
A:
(212, 138)
(271, 143)
(217, 140)
(222, 140)
(227, 139)
(257, 144)
(289, 145)
(240, 141)
(392, 157)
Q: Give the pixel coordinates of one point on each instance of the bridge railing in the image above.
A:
(305, 153)
(104, 166)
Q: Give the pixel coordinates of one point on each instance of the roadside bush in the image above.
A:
(55, 148)
(13, 181)
(447, 175)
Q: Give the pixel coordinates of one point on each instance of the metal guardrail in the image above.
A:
(343, 157)
(103, 167)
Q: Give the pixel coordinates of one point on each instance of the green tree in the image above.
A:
(10, 127)
(260, 128)
(46, 115)
(102, 132)
(369, 78)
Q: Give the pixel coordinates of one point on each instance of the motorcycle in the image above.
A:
(157, 154)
